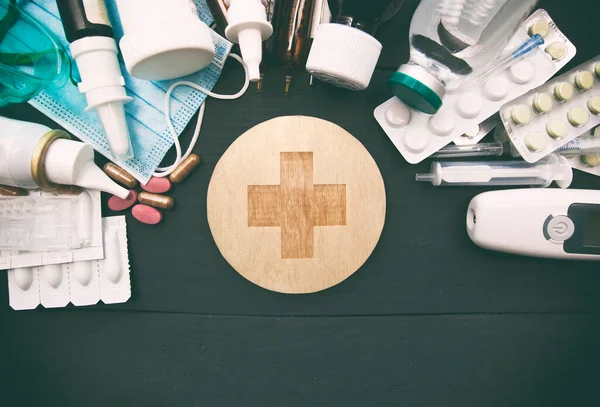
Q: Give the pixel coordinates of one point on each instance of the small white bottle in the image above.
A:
(247, 25)
(34, 156)
(163, 39)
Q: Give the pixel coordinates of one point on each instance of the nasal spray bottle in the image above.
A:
(93, 47)
(34, 156)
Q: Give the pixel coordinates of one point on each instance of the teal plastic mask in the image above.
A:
(31, 57)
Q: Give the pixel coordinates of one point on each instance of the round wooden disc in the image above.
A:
(296, 204)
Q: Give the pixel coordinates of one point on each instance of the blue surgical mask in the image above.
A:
(150, 136)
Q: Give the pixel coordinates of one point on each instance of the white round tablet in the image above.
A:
(522, 72)
(496, 88)
(536, 141)
(442, 123)
(416, 142)
(557, 128)
(397, 115)
(469, 105)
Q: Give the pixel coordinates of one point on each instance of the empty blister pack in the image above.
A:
(418, 135)
(85, 208)
(555, 113)
(80, 283)
(589, 163)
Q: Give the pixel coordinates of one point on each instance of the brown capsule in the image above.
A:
(156, 200)
(12, 191)
(185, 168)
(120, 175)
(67, 190)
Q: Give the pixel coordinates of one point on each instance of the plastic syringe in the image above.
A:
(506, 61)
(488, 173)
(471, 150)
(581, 146)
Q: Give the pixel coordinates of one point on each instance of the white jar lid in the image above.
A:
(343, 56)
(168, 52)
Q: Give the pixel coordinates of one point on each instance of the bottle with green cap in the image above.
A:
(450, 40)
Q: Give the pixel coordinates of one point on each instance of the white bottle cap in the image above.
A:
(166, 51)
(72, 163)
(248, 26)
(344, 56)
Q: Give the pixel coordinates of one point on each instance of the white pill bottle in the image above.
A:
(163, 39)
(450, 39)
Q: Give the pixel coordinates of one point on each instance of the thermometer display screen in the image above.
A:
(592, 230)
(586, 237)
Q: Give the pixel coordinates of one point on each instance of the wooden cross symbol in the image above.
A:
(297, 205)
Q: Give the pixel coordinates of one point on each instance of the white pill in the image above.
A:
(53, 274)
(522, 72)
(24, 278)
(556, 50)
(563, 91)
(540, 27)
(542, 103)
(469, 105)
(596, 131)
(397, 115)
(416, 142)
(83, 272)
(590, 160)
(442, 123)
(520, 114)
(578, 117)
(597, 69)
(536, 141)
(496, 88)
(584, 80)
(594, 105)
(557, 128)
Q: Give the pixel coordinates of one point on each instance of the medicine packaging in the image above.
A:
(418, 135)
(586, 163)
(80, 283)
(555, 113)
(44, 215)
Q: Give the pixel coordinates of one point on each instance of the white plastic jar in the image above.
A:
(163, 39)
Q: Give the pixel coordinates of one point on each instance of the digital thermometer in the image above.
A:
(553, 223)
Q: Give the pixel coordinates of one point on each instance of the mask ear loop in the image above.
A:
(165, 171)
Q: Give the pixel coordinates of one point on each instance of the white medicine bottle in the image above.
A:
(449, 39)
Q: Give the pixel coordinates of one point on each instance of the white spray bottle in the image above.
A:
(34, 156)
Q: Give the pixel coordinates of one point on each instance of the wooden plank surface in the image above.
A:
(96, 358)
(429, 320)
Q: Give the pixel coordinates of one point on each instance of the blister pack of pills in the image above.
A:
(555, 113)
(418, 135)
(589, 163)
(82, 217)
(80, 283)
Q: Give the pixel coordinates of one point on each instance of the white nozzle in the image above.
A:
(112, 116)
(248, 26)
(72, 163)
(92, 177)
(251, 46)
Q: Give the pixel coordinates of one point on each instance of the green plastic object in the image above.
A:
(31, 58)
(414, 93)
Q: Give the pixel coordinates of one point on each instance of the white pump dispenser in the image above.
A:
(248, 26)
(34, 156)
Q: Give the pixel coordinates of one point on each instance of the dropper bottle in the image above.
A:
(34, 156)
(294, 18)
(94, 49)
